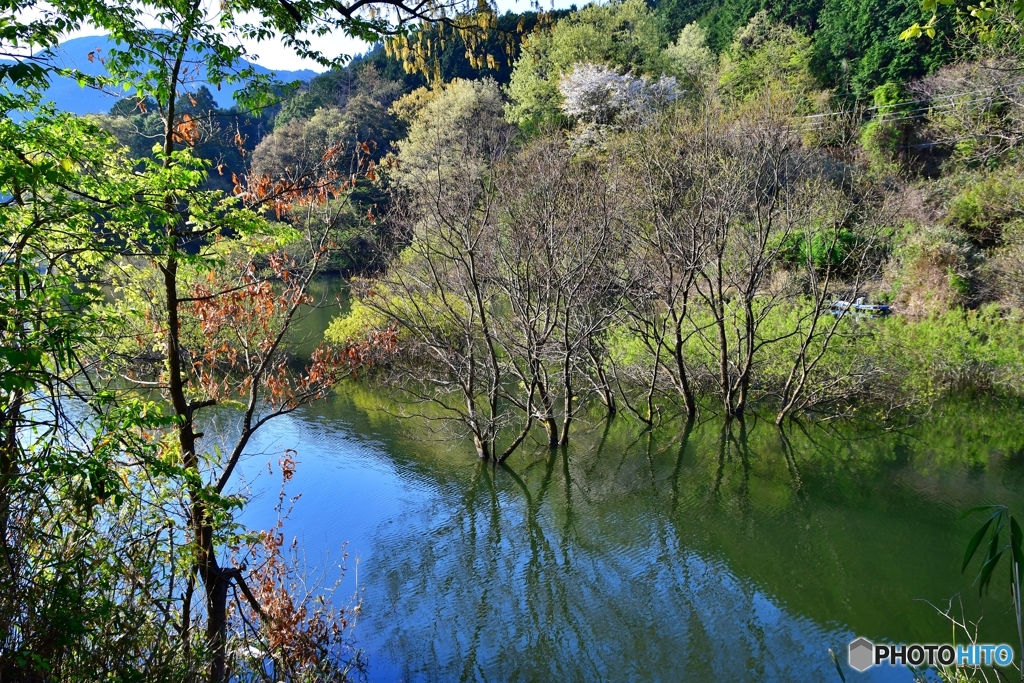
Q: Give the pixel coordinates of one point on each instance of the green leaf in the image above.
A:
(1015, 549)
(835, 660)
(975, 541)
(985, 575)
(980, 508)
(911, 33)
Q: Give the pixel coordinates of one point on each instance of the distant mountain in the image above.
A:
(69, 96)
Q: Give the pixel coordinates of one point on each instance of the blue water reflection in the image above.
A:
(664, 557)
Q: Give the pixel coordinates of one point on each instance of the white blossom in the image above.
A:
(595, 93)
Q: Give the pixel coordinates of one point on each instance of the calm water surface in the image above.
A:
(726, 553)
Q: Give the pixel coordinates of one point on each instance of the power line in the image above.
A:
(895, 107)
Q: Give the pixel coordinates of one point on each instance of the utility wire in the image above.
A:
(894, 108)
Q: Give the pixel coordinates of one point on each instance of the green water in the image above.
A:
(728, 552)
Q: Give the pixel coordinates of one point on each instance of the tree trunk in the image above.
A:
(10, 419)
(8, 468)
(215, 584)
(548, 416)
(568, 406)
(482, 448)
(723, 367)
(604, 387)
(689, 402)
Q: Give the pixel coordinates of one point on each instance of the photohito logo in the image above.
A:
(864, 654)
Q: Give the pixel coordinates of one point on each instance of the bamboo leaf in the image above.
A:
(975, 541)
(985, 575)
(1016, 553)
(835, 660)
(980, 508)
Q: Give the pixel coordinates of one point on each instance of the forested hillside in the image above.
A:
(844, 57)
(672, 203)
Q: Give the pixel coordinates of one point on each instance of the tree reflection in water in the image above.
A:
(646, 560)
(695, 551)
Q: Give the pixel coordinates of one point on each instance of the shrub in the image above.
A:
(984, 207)
(820, 249)
(937, 268)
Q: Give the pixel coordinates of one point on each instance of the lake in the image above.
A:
(732, 552)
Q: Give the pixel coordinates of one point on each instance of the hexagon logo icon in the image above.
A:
(862, 654)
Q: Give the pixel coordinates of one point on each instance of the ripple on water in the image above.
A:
(632, 559)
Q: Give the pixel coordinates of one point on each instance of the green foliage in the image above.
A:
(817, 248)
(385, 74)
(960, 351)
(224, 136)
(999, 520)
(455, 124)
(856, 42)
(857, 46)
(881, 141)
(769, 57)
(882, 138)
(328, 90)
(51, 168)
(986, 24)
(953, 355)
(536, 100)
(624, 34)
(987, 204)
(719, 19)
(376, 78)
(296, 148)
(958, 283)
(909, 361)
(886, 96)
(299, 151)
(690, 58)
(355, 325)
(366, 317)
(926, 255)
(92, 477)
(69, 457)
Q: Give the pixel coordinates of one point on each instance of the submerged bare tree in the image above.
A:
(696, 256)
(441, 296)
(834, 256)
(743, 235)
(745, 212)
(559, 239)
(668, 249)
